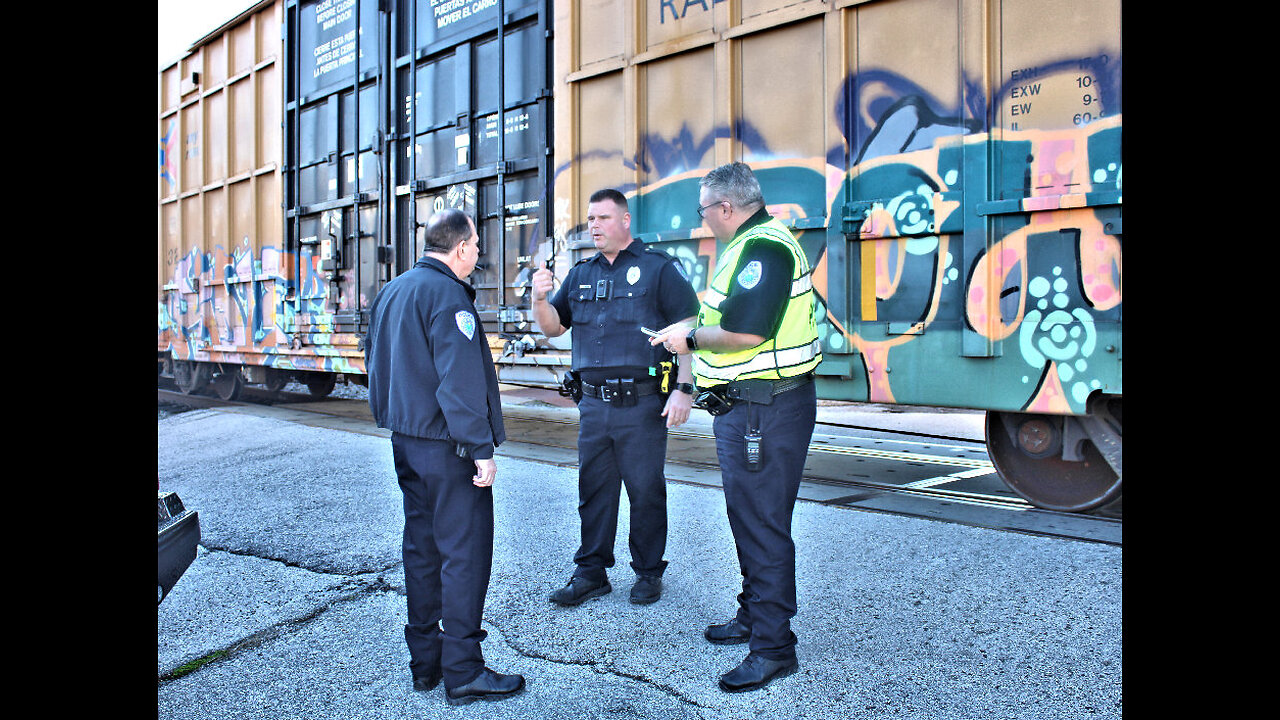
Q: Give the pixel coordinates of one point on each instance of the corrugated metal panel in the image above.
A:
(472, 130)
(334, 181)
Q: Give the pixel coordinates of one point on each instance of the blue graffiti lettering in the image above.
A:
(664, 5)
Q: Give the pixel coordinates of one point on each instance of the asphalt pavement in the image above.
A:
(294, 606)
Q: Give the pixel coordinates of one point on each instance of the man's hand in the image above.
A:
(672, 337)
(543, 282)
(486, 471)
(677, 410)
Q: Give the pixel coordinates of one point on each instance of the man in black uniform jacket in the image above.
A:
(622, 437)
(432, 383)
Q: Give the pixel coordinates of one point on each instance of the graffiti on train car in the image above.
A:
(182, 326)
(1028, 287)
(168, 145)
(923, 298)
(1027, 284)
(1034, 299)
(229, 306)
(677, 9)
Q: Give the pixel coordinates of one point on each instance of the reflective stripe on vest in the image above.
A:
(764, 361)
(796, 349)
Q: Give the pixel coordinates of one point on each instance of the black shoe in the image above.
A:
(648, 589)
(755, 672)
(488, 685)
(579, 590)
(730, 633)
(427, 682)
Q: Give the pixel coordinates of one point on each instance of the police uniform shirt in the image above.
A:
(606, 303)
(761, 286)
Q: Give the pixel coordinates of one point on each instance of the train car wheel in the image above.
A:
(1027, 452)
(191, 377)
(321, 384)
(228, 385)
(276, 379)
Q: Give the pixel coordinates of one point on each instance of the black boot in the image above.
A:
(648, 589)
(488, 685)
(730, 633)
(579, 590)
(425, 683)
(755, 672)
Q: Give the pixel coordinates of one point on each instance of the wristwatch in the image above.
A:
(690, 340)
(686, 388)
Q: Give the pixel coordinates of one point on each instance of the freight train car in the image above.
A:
(953, 168)
(305, 143)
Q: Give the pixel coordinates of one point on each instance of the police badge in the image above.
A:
(633, 275)
(466, 323)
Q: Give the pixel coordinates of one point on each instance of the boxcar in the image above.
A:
(952, 167)
(304, 144)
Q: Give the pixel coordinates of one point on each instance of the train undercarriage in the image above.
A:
(1060, 462)
(1055, 462)
(228, 380)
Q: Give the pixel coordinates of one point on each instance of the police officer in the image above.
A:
(624, 388)
(754, 350)
(432, 383)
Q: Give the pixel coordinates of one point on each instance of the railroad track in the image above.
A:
(915, 474)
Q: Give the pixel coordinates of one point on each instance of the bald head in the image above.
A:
(451, 238)
(446, 229)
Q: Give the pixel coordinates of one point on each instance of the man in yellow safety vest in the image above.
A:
(754, 349)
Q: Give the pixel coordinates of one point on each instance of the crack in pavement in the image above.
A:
(318, 569)
(359, 588)
(598, 666)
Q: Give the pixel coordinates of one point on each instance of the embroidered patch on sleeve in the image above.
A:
(466, 323)
(680, 269)
(750, 275)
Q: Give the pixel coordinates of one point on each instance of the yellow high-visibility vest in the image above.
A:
(795, 349)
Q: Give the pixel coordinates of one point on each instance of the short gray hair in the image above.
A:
(734, 182)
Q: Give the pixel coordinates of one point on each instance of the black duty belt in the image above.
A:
(721, 399)
(623, 390)
(762, 391)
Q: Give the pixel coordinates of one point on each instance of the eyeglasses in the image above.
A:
(704, 207)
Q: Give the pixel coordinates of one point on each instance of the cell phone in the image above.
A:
(650, 333)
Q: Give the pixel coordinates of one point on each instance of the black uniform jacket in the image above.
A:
(430, 371)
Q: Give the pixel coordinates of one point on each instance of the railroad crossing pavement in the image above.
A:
(294, 607)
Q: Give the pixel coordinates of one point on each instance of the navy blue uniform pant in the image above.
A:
(760, 504)
(448, 556)
(616, 446)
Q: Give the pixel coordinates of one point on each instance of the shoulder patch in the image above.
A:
(750, 275)
(466, 323)
(680, 269)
